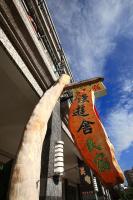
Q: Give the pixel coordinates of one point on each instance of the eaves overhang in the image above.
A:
(20, 32)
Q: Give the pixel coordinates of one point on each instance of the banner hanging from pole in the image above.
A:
(91, 139)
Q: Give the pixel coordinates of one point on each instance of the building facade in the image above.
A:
(129, 177)
(32, 60)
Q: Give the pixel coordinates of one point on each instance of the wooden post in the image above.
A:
(25, 181)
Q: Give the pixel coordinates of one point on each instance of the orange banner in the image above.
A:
(91, 139)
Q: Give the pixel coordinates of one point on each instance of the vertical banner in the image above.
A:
(86, 182)
(91, 139)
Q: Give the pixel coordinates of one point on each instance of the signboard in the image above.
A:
(99, 89)
(94, 84)
(86, 182)
(91, 139)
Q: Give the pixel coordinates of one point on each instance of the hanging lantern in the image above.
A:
(59, 158)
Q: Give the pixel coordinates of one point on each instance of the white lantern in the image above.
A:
(59, 158)
(95, 184)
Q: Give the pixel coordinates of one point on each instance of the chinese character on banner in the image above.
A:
(85, 125)
(91, 139)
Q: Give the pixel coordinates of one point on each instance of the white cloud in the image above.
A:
(91, 29)
(121, 129)
(120, 120)
(128, 86)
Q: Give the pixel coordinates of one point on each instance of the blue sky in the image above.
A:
(97, 36)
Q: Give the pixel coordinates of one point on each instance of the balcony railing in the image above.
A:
(39, 16)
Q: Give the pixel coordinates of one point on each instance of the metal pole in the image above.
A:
(103, 191)
(96, 197)
(109, 197)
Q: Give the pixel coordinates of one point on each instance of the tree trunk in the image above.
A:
(25, 182)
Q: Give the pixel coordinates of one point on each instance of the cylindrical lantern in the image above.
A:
(95, 184)
(59, 158)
